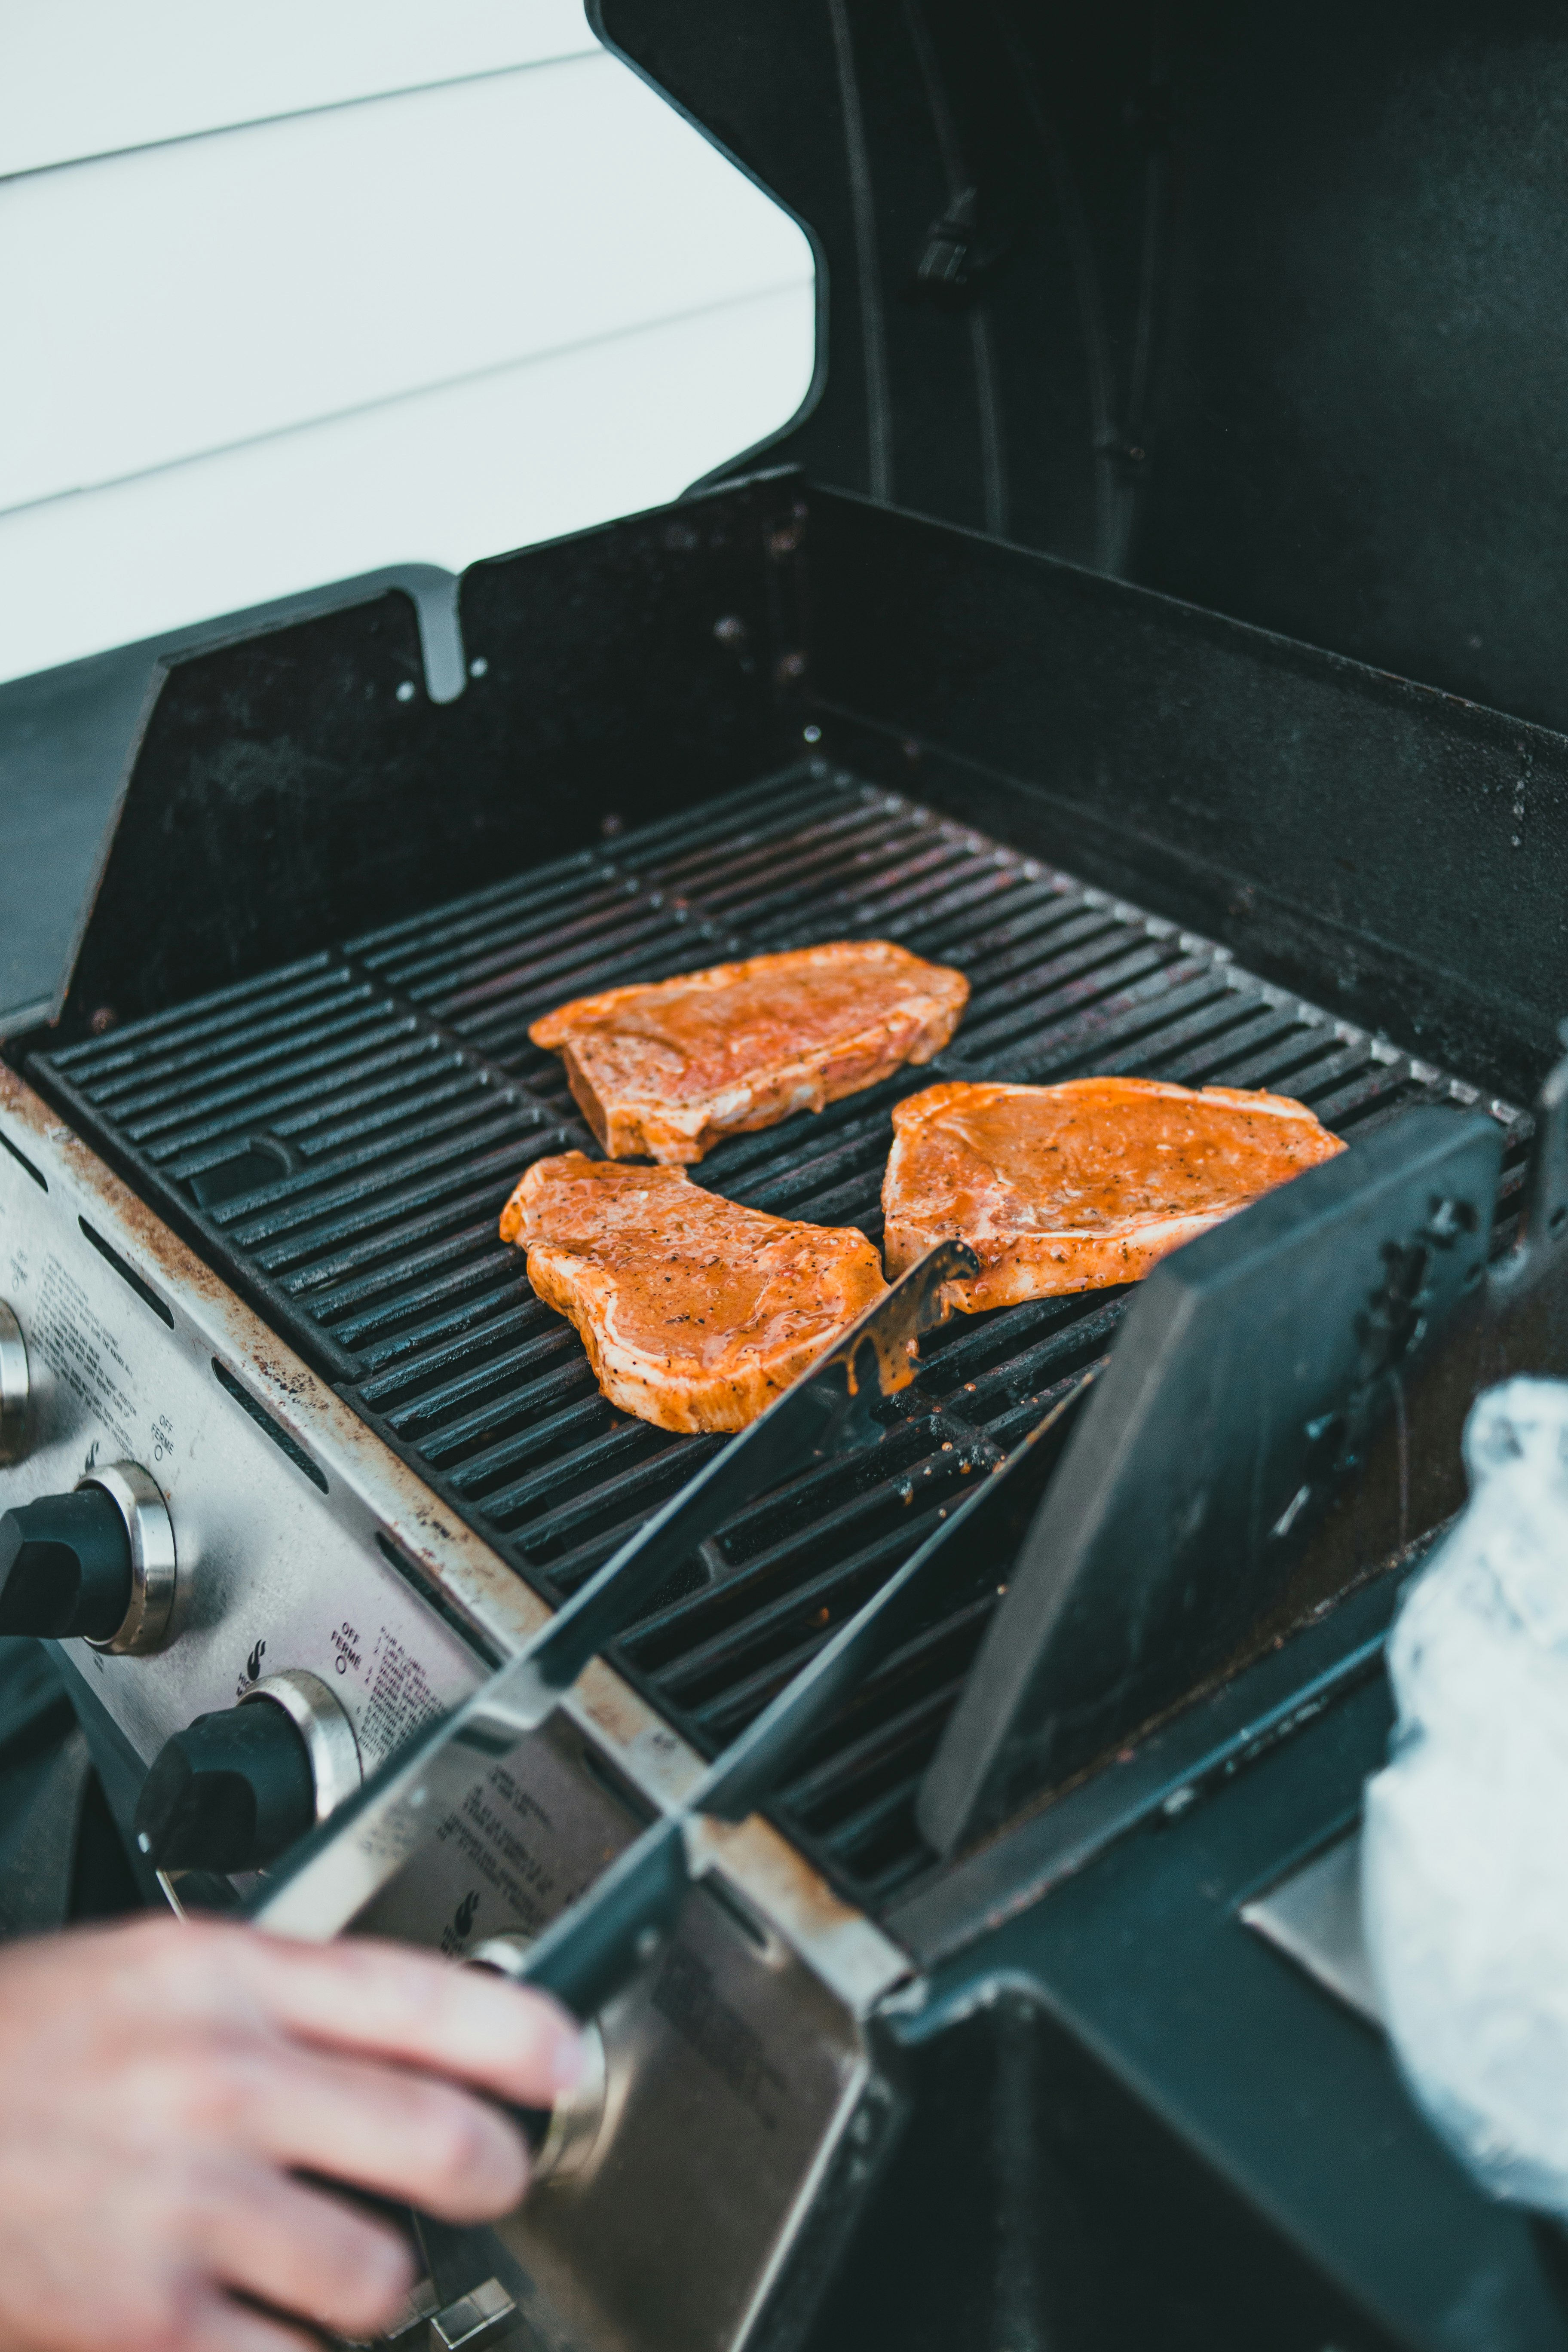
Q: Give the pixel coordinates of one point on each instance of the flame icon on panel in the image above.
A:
(253, 1663)
(454, 1938)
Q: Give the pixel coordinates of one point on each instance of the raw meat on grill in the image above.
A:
(1078, 1186)
(696, 1313)
(667, 1069)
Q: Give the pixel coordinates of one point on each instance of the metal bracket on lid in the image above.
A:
(1314, 1917)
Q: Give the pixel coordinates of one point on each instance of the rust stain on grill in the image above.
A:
(774, 1873)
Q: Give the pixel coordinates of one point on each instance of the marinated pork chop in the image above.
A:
(1078, 1186)
(666, 1070)
(695, 1313)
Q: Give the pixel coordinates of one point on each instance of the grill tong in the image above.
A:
(329, 1878)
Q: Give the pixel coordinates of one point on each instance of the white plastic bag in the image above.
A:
(1464, 1855)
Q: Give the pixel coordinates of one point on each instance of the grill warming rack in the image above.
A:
(337, 1137)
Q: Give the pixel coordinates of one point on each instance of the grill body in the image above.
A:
(264, 1149)
(341, 1136)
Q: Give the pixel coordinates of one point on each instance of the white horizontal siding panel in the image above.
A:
(89, 77)
(523, 454)
(187, 299)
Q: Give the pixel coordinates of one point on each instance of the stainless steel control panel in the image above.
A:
(276, 1564)
(302, 1543)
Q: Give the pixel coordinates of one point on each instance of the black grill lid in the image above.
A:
(1259, 305)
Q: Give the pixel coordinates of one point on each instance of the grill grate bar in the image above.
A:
(332, 1037)
(821, 883)
(291, 1202)
(579, 955)
(589, 901)
(478, 1474)
(269, 1032)
(933, 1658)
(297, 1110)
(416, 1096)
(739, 1610)
(773, 806)
(459, 1307)
(378, 1068)
(372, 1202)
(1364, 1088)
(1115, 1019)
(598, 1524)
(432, 1398)
(991, 936)
(717, 1672)
(1095, 968)
(1217, 1036)
(990, 918)
(911, 889)
(459, 1247)
(875, 1774)
(226, 1009)
(502, 1028)
(401, 1242)
(558, 1481)
(860, 835)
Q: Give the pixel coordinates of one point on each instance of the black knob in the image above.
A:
(231, 1792)
(65, 1567)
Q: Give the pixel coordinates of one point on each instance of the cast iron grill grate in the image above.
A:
(338, 1137)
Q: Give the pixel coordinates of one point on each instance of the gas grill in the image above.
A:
(339, 1140)
(954, 2040)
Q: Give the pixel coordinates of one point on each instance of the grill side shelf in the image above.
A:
(337, 1137)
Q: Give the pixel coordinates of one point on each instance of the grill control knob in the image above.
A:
(13, 1386)
(99, 1563)
(235, 1789)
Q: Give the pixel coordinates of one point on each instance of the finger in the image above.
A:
(406, 2005)
(406, 2135)
(218, 2324)
(301, 2249)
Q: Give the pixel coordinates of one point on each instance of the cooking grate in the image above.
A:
(338, 1137)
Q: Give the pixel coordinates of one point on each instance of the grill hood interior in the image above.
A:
(1256, 307)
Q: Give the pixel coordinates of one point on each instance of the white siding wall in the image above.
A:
(288, 294)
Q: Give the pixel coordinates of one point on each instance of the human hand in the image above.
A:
(161, 2083)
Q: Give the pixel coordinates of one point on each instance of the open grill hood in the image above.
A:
(1257, 308)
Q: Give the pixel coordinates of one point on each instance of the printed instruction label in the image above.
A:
(84, 1355)
(398, 1698)
(489, 1836)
